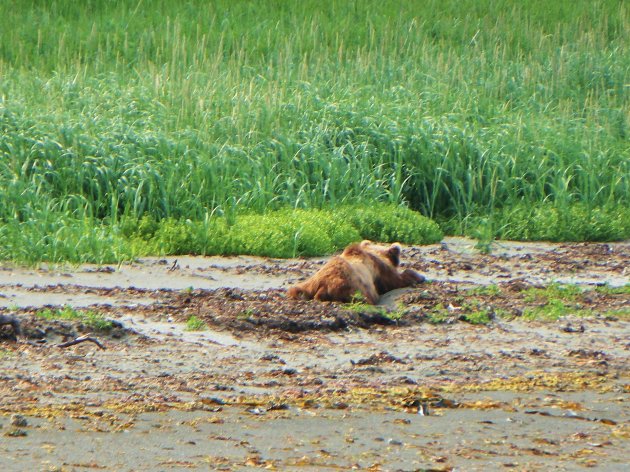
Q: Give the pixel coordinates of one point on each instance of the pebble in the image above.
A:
(18, 420)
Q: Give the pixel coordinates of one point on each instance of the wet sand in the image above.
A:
(279, 384)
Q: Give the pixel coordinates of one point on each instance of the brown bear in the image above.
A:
(364, 269)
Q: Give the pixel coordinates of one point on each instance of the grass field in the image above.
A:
(497, 119)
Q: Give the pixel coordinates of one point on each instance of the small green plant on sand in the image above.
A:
(5, 353)
(469, 312)
(195, 324)
(554, 309)
(616, 314)
(477, 317)
(245, 314)
(366, 308)
(359, 306)
(91, 319)
(398, 313)
(439, 314)
(608, 290)
(484, 234)
(553, 292)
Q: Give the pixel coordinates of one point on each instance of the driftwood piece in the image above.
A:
(13, 321)
(81, 339)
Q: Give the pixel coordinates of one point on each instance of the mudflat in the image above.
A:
(515, 360)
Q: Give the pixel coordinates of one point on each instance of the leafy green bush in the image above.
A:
(261, 235)
(282, 233)
(389, 223)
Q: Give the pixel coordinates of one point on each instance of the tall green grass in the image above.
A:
(112, 110)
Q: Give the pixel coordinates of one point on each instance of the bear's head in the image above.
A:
(390, 253)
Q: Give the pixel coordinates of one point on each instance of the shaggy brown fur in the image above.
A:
(363, 269)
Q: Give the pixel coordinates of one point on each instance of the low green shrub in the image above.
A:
(284, 233)
(388, 223)
(481, 317)
(91, 319)
(195, 324)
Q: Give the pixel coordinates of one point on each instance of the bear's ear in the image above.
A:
(393, 253)
(366, 242)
